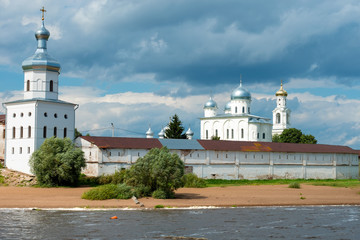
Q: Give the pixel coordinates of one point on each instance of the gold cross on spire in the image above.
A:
(43, 11)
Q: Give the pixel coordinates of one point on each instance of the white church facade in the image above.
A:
(40, 114)
(237, 123)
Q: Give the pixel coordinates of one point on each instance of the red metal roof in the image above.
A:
(273, 147)
(120, 142)
(148, 143)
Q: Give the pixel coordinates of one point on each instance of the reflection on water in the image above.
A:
(340, 222)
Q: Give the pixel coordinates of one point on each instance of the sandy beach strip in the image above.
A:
(262, 195)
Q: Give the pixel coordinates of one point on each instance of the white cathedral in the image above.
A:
(40, 114)
(238, 124)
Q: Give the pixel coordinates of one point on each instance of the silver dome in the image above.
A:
(210, 104)
(227, 106)
(41, 59)
(240, 93)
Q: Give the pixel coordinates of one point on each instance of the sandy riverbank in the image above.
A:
(264, 195)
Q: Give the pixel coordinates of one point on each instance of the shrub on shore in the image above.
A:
(157, 170)
(294, 185)
(116, 178)
(57, 162)
(109, 191)
(191, 180)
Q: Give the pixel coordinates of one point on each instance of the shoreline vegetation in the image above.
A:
(231, 196)
(216, 193)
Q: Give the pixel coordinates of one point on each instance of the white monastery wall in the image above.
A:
(232, 164)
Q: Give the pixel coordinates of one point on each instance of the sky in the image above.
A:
(137, 63)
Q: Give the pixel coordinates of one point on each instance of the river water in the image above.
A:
(329, 222)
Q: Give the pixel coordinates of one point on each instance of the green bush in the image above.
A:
(57, 162)
(142, 191)
(294, 185)
(1, 165)
(109, 191)
(191, 180)
(116, 178)
(159, 194)
(159, 206)
(157, 170)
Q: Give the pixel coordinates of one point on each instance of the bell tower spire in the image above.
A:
(281, 114)
(41, 71)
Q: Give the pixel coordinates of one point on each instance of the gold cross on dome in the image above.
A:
(43, 11)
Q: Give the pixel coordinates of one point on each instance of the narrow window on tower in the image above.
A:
(44, 132)
(65, 132)
(235, 109)
(28, 149)
(242, 133)
(263, 135)
(207, 134)
(14, 132)
(216, 132)
(55, 131)
(51, 85)
(278, 118)
(28, 85)
(227, 133)
(29, 132)
(20, 150)
(243, 109)
(21, 132)
(232, 133)
(248, 110)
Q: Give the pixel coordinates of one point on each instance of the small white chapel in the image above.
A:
(40, 114)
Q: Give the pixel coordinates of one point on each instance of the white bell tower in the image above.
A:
(281, 114)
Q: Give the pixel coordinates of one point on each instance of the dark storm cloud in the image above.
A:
(200, 43)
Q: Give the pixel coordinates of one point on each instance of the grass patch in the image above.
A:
(294, 185)
(316, 182)
(302, 198)
(159, 206)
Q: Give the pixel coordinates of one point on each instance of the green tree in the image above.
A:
(57, 162)
(215, 138)
(175, 128)
(293, 135)
(276, 138)
(308, 139)
(77, 133)
(159, 170)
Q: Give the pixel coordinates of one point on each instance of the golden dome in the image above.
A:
(281, 91)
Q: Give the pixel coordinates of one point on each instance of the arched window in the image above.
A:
(28, 85)
(227, 133)
(242, 133)
(232, 133)
(29, 132)
(14, 132)
(235, 109)
(258, 135)
(51, 85)
(278, 118)
(55, 132)
(44, 132)
(21, 132)
(243, 109)
(216, 132)
(65, 132)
